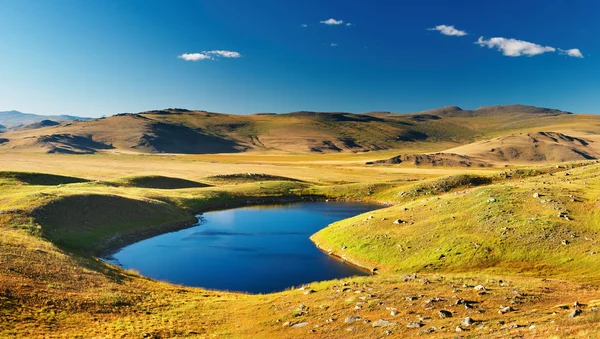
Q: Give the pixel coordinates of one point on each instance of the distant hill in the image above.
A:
(15, 119)
(533, 147)
(201, 132)
(41, 124)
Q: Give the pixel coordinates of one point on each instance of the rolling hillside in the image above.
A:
(200, 132)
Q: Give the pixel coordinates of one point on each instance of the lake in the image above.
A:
(255, 249)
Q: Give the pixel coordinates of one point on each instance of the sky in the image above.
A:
(95, 58)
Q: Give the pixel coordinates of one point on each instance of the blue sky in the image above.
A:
(94, 58)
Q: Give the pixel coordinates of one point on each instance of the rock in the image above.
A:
(467, 322)
(576, 304)
(429, 330)
(394, 313)
(344, 247)
(505, 309)
(382, 323)
(536, 195)
(458, 329)
(565, 242)
(575, 313)
(414, 324)
(491, 199)
(299, 325)
(387, 332)
(351, 319)
(286, 324)
(350, 329)
(366, 321)
(309, 291)
(399, 221)
(444, 314)
(479, 288)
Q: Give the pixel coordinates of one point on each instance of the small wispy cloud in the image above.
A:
(224, 54)
(448, 30)
(304, 25)
(513, 47)
(332, 22)
(349, 24)
(194, 56)
(573, 52)
(333, 44)
(209, 55)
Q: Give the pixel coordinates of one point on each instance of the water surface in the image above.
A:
(256, 249)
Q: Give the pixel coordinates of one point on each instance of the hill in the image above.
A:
(15, 119)
(533, 147)
(201, 132)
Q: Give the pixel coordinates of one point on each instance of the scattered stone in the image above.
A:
(381, 323)
(387, 332)
(565, 242)
(576, 304)
(505, 310)
(350, 329)
(575, 313)
(429, 330)
(299, 325)
(491, 199)
(344, 247)
(399, 221)
(309, 291)
(467, 322)
(394, 313)
(458, 329)
(286, 324)
(366, 321)
(351, 319)
(479, 288)
(536, 195)
(444, 314)
(414, 324)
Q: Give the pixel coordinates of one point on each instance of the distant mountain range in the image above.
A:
(16, 119)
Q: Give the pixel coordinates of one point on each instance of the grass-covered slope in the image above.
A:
(544, 225)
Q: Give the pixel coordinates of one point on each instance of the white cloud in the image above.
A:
(224, 54)
(573, 52)
(194, 56)
(209, 55)
(513, 47)
(332, 21)
(333, 44)
(448, 30)
(304, 25)
(348, 24)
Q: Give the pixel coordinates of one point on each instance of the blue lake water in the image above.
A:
(256, 249)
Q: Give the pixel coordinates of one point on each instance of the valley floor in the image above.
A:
(460, 252)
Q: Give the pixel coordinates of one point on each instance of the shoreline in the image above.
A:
(361, 266)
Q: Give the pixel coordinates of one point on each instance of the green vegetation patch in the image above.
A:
(41, 179)
(159, 182)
